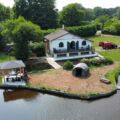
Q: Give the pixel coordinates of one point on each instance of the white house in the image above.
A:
(62, 45)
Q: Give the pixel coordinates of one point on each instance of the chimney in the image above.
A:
(63, 27)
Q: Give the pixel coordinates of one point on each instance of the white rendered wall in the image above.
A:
(65, 39)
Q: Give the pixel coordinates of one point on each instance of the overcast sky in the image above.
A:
(85, 3)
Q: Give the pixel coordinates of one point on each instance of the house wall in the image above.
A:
(65, 39)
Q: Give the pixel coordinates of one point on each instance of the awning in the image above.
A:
(12, 64)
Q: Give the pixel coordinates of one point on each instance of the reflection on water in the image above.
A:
(19, 94)
(28, 105)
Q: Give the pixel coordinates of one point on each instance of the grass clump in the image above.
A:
(68, 65)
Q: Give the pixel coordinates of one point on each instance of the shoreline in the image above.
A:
(59, 93)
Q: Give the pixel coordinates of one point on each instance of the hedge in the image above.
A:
(85, 31)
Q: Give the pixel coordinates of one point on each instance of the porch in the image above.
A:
(67, 55)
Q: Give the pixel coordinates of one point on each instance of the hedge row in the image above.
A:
(85, 31)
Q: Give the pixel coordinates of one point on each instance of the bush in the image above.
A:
(68, 65)
(38, 49)
(108, 61)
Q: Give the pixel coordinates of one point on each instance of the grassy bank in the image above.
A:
(0, 80)
(113, 75)
(111, 54)
(4, 57)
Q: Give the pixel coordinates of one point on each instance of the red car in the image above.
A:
(107, 45)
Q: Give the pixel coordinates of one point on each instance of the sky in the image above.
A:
(86, 3)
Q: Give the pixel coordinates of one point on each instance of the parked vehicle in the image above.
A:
(107, 45)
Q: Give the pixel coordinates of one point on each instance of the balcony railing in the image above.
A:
(73, 50)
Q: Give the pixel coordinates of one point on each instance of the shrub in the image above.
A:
(68, 65)
(38, 49)
(87, 61)
(97, 62)
(108, 61)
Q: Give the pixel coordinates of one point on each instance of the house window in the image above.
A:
(83, 43)
(61, 44)
(72, 45)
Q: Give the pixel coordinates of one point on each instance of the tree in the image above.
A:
(2, 42)
(118, 14)
(4, 12)
(72, 14)
(102, 20)
(89, 15)
(41, 12)
(21, 32)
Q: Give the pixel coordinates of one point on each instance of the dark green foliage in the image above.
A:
(41, 12)
(2, 41)
(72, 15)
(21, 32)
(68, 65)
(112, 27)
(102, 20)
(87, 30)
(108, 61)
(38, 49)
(4, 12)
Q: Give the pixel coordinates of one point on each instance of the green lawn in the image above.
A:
(0, 80)
(112, 54)
(97, 39)
(4, 57)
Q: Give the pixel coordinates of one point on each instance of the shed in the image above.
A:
(6, 67)
(81, 70)
(12, 64)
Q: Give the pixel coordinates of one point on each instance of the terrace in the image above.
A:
(72, 53)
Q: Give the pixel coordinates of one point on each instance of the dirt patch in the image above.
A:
(64, 80)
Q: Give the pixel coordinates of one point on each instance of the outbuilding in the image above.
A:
(81, 70)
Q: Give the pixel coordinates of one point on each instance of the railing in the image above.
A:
(73, 50)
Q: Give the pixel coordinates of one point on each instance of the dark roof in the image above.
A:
(55, 35)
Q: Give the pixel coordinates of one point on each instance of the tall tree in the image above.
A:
(21, 32)
(41, 12)
(118, 14)
(72, 14)
(2, 41)
(4, 12)
(102, 19)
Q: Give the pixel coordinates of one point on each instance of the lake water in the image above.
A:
(27, 105)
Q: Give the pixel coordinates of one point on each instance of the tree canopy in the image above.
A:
(4, 12)
(72, 15)
(21, 32)
(41, 12)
